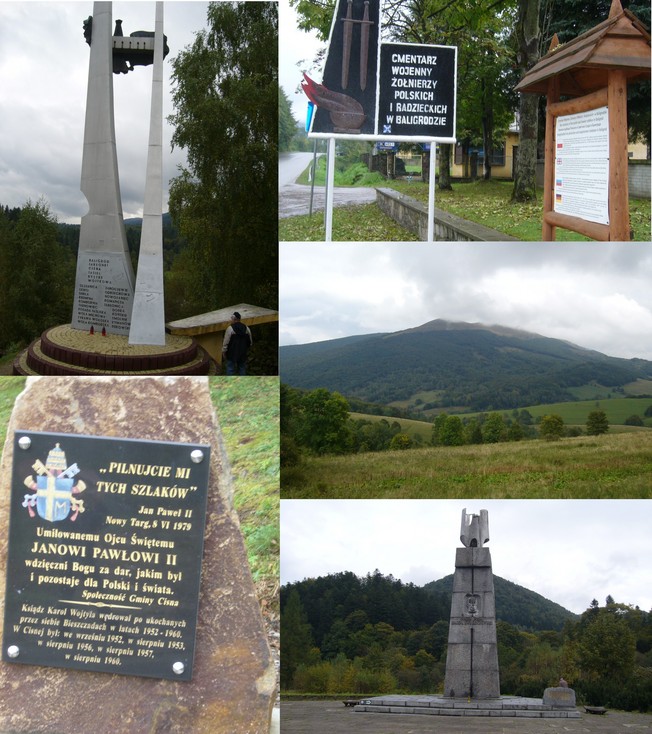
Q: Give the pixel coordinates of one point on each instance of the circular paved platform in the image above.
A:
(332, 717)
(63, 350)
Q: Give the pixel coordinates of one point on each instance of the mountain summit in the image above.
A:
(465, 366)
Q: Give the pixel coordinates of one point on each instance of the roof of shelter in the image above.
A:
(620, 42)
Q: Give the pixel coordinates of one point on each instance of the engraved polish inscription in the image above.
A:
(105, 548)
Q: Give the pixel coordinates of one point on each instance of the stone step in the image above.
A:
(34, 362)
(507, 706)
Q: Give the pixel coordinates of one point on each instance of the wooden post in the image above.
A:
(618, 180)
(548, 231)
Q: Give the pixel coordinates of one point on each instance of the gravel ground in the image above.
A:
(332, 717)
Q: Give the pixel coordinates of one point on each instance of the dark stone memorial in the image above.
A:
(105, 547)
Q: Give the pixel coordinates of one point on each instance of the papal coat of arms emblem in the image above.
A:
(54, 491)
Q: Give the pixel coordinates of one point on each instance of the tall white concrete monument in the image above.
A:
(148, 315)
(104, 285)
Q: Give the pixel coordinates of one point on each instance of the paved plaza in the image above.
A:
(332, 717)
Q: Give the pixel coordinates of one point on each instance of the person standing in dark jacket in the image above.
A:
(237, 340)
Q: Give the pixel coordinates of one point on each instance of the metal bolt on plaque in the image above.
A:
(13, 651)
(24, 442)
(197, 456)
(178, 668)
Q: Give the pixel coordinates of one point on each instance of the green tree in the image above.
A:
(634, 420)
(324, 427)
(297, 638)
(437, 428)
(551, 427)
(400, 441)
(597, 423)
(226, 118)
(473, 431)
(287, 125)
(606, 647)
(494, 429)
(38, 275)
(515, 432)
(452, 433)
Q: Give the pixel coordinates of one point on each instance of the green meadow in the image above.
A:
(614, 465)
(575, 413)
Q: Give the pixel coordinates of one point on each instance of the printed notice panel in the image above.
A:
(417, 91)
(582, 165)
(105, 547)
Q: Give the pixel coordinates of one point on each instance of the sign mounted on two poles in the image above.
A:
(382, 91)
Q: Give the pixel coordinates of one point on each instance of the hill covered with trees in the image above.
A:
(459, 365)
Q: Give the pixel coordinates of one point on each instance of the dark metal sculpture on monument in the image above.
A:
(472, 681)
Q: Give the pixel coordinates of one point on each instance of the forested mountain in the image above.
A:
(514, 604)
(468, 366)
(346, 598)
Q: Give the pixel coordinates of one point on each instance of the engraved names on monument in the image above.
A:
(103, 297)
(105, 548)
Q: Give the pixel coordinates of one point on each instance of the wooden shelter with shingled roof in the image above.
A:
(592, 71)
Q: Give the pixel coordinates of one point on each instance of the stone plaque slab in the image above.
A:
(103, 292)
(105, 549)
(559, 697)
(233, 684)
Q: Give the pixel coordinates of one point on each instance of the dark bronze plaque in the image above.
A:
(105, 549)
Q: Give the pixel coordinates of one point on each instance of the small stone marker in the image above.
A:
(559, 697)
(231, 690)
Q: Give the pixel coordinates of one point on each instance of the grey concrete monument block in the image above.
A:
(559, 697)
(103, 292)
(472, 657)
(463, 577)
(472, 557)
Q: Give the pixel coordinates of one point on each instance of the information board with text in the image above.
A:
(582, 165)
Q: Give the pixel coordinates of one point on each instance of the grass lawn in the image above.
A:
(598, 467)
(248, 414)
(488, 203)
(362, 223)
(483, 202)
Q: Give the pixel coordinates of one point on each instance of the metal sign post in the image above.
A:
(330, 184)
(431, 192)
(381, 91)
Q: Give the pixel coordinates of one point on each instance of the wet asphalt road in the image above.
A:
(294, 199)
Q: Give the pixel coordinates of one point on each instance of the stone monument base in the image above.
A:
(512, 706)
(63, 350)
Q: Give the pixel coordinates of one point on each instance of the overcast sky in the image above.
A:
(297, 50)
(43, 79)
(597, 295)
(569, 551)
